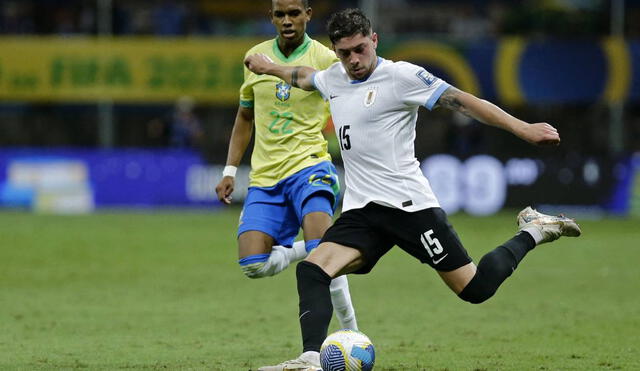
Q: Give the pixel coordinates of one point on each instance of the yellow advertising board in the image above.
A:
(121, 70)
(148, 69)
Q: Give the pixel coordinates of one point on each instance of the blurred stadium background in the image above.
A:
(130, 103)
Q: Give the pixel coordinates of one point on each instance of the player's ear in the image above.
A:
(309, 12)
(374, 38)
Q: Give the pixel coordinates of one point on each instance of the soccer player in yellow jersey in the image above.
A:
(293, 183)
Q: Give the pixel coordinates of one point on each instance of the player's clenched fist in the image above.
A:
(224, 189)
(258, 63)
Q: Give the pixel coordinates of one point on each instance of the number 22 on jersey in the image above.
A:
(280, 123)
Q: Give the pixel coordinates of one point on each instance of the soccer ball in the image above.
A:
(347, 350)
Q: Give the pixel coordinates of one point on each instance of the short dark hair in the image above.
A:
(305, 4)
(348, 22)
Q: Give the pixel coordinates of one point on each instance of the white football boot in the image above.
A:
(308, 361)
(550, 227)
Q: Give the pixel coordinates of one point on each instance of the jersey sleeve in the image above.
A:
(246, 90)
(324, 59)
(416, 86)
(319, 79)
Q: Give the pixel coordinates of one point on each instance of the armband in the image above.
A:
(294, 77)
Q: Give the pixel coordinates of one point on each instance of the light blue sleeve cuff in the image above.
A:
(246, 103)
(436, 95)
(315, 86)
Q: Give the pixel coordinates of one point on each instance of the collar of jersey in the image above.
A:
(296, 53)
(367, 78)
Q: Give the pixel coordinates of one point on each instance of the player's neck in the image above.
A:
(373, 68)
(287, 48)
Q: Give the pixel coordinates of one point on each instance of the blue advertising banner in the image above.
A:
(81, 180)
(113, 177)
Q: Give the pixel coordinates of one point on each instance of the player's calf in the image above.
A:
(495, 267)
(315, 304)
(536, 228)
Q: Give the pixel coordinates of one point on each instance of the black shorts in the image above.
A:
(375, 229)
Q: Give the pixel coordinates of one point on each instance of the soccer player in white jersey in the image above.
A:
(388, 201)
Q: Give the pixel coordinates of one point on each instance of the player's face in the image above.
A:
(358, 54)
(290, 18)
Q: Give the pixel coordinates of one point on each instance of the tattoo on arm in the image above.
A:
(294, 77)
(450, 99)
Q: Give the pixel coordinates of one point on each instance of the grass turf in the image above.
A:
(163, 291)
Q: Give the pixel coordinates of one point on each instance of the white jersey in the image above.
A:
(375, 121)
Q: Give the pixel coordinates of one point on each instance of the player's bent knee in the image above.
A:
(477, 290)
(253, 266)
(493, 269)
(308, 272)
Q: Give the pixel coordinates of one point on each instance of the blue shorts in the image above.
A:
(278, 210)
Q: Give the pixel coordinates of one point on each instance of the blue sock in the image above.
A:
(252, 265)
(252, 259)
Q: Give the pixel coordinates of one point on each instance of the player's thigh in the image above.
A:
(315, 224)
(355, 229)
(336, 259)
(428, 236)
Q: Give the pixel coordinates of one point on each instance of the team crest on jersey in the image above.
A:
(370, 97)
(283, 91)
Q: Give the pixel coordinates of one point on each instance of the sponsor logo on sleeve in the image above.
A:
(426, 77)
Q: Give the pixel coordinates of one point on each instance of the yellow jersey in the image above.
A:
(288, 120)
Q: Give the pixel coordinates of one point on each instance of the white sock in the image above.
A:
(281, 257)
(277, 262)
(534, 232)
(297, 252)
(341, 300)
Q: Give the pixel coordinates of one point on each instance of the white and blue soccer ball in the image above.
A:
(347, 350)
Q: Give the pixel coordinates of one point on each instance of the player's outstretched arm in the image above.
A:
(540, 133)
(240, 138)
(298, 76)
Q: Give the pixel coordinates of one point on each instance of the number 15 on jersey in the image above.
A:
(343, 137)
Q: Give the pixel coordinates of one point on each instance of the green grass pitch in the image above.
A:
(121, 290)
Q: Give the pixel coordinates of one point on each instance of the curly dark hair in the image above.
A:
(348, 22)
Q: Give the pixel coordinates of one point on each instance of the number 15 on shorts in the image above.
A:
(432, 245)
